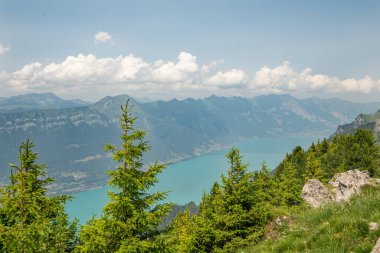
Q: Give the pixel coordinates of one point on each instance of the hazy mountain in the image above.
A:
(363, 121)
(70, 140)
(35, 101)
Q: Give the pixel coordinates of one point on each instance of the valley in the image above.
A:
(70, 135)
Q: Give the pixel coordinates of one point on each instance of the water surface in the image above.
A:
(188, 180)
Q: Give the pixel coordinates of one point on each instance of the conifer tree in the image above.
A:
(130, 219)
(289, 186)
(314, 169)
(230, 216)
(180, 232)
(30, 220)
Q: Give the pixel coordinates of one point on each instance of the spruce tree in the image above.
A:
(131, 218)
(232, 215)
(30, 220)
(314, 169)
(289, 186)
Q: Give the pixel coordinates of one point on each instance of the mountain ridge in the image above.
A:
(72, 138)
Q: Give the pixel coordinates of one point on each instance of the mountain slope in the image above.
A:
(35, 101)
(70, 140)
(363, 121)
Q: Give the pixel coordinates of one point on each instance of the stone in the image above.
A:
(376, 249)
(281, 220)
(372, 226)
(346, 184)
(315, 193)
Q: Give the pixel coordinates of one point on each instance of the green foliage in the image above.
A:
(178, 236)
(314, 168)
(131, 218)
(341, 227)
(234, 214)
(289, 186)
(231, 216)
(30, 220)
(323, 160)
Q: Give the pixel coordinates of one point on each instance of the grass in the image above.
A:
(337, 228)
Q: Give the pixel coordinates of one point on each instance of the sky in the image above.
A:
(164, 49)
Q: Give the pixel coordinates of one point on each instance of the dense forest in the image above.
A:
(233, 215)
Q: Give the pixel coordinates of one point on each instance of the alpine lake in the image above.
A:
(187, 180)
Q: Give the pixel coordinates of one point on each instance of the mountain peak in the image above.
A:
(36, 101)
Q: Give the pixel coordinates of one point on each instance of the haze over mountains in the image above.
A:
(70, 134)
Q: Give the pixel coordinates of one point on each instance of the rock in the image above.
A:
(315, 193)
(372, 226)
(376, 249)
(281, 220)
(375, 181)
(346, 184)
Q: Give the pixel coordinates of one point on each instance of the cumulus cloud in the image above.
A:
(233, 77)
(90, 77)
(102, 37)
(283, 78)
(4, 49)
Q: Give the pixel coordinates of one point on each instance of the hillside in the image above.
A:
(363, 121)
(34, 101)
(70, 137)
(342, 227)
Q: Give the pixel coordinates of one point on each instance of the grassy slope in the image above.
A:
(337, 228)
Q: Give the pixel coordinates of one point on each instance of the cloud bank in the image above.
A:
(90, 77)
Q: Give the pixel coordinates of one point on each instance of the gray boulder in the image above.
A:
(376, 249)
(349, 183)
(342, 187)
(315, 193)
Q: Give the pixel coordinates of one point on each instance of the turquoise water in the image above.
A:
(188, 180)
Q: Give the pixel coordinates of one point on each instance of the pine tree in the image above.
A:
(230, 216)
(30, 220)
(180, 232)
(289, 186)
(314, 169)
(130, 219)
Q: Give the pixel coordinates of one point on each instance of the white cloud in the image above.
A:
(102, 37)
(233, 77)
(90, 77)
(285, 79)
(4, 49)
(89, 158)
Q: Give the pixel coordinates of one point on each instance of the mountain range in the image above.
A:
(70, 134)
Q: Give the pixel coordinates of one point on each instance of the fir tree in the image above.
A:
(288, 186)
(131, 218)
(230, 216)
(314, 169)
(30, 220)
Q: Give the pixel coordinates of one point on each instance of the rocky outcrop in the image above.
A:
(373, 226)
(376, 249)
(315, 193)
(346, 184)
(342, 187)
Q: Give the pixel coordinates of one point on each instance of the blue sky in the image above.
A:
(190, 48)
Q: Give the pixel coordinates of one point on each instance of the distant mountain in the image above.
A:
(36, 101)
(363, 121)
(70, 140)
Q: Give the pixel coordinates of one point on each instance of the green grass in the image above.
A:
(372, 117)
(334, 228)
